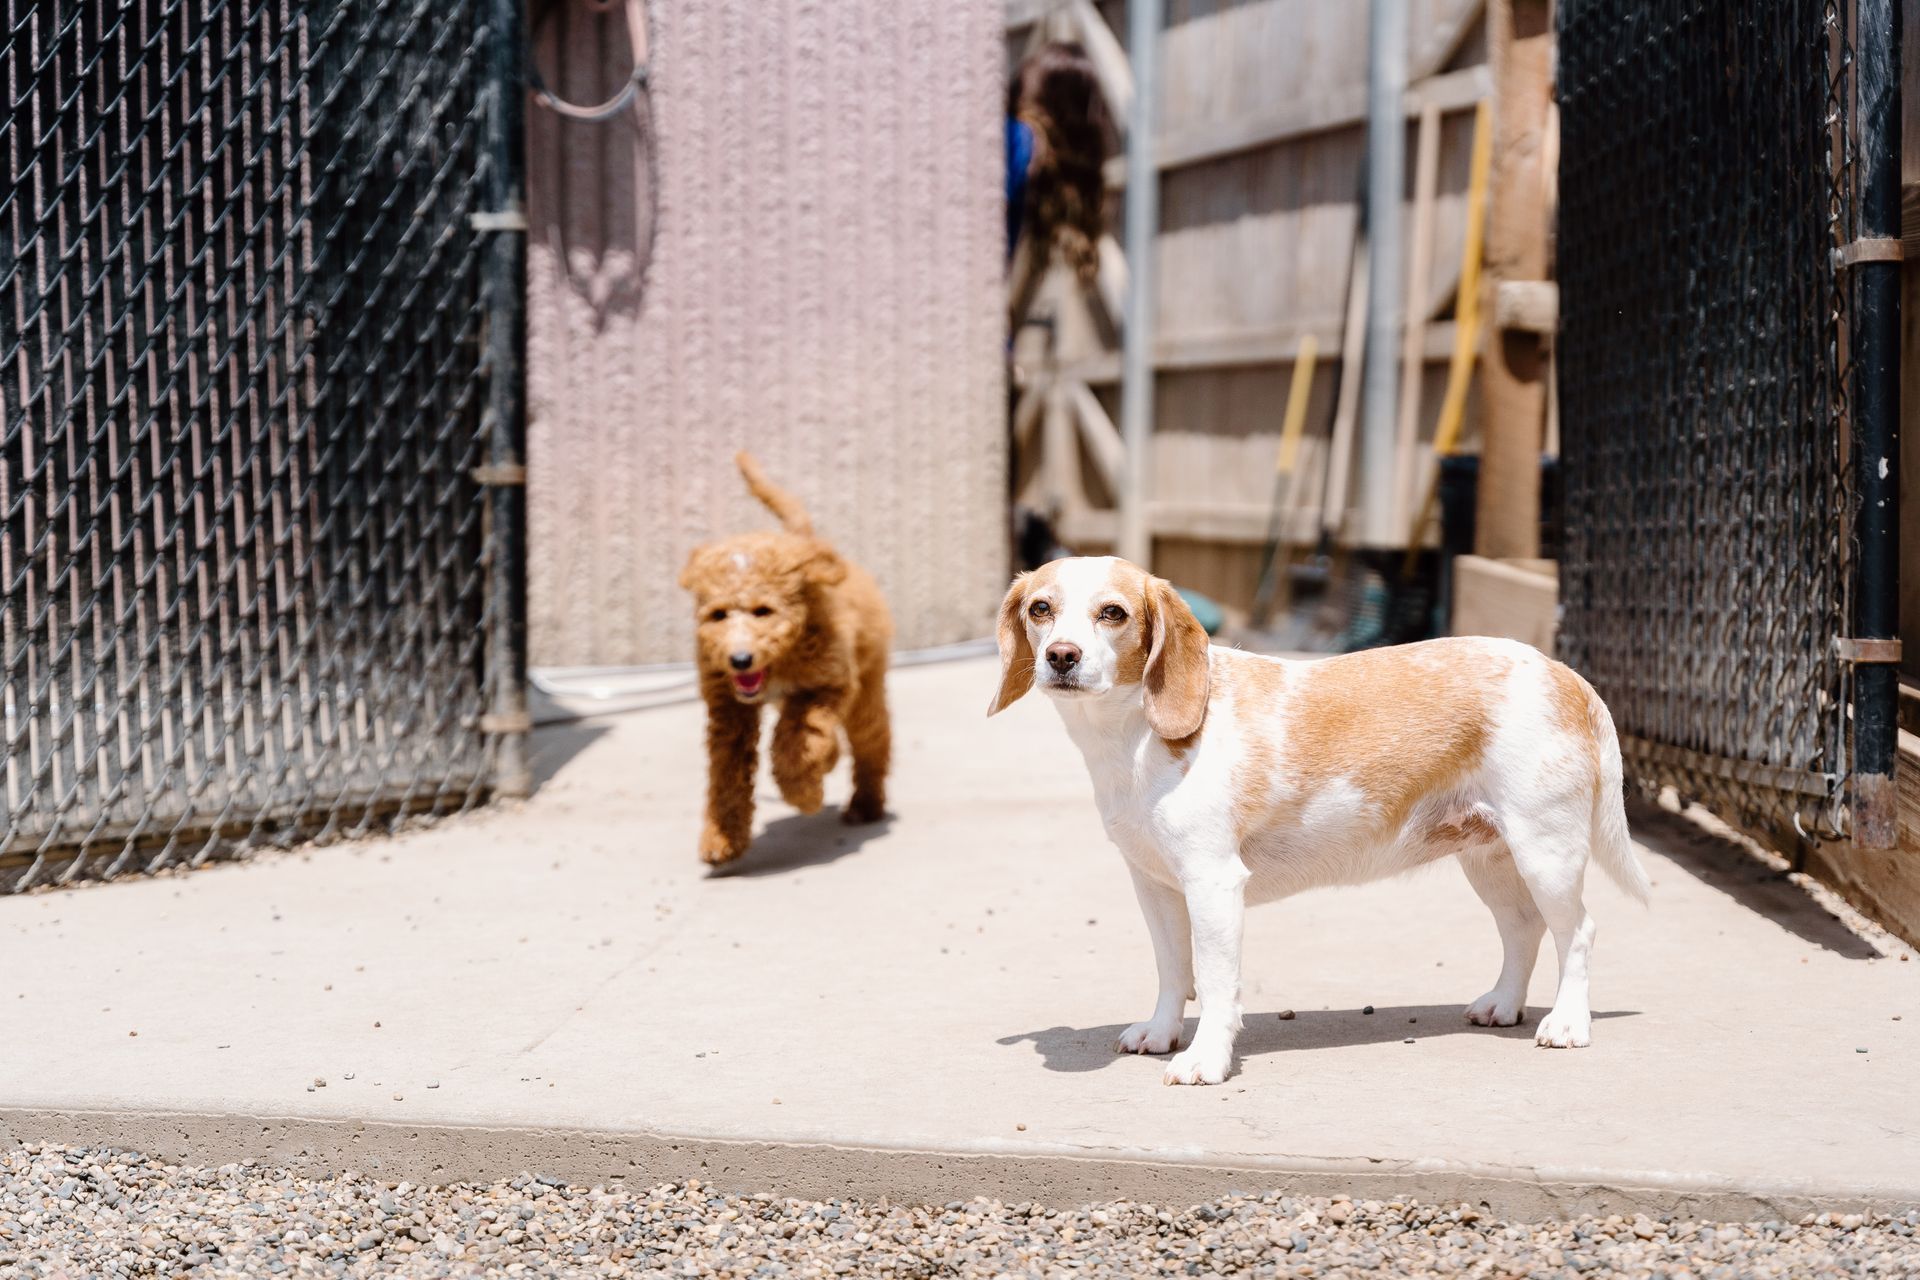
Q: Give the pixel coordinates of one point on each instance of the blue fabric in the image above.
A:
(1019, 156)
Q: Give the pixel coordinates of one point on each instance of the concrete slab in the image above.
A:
(926, 1008)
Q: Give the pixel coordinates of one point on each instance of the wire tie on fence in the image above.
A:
(498, 220)
(500, 474)
(1866, 652)
(1870, 249)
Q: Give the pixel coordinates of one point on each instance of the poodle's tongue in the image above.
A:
(750, 683)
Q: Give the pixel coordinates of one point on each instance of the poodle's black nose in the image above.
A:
(1062, 656)
(741, 661)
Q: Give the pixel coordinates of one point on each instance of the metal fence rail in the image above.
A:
(1710, 573)
(247, 569)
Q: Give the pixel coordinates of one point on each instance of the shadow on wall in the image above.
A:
(593, 185)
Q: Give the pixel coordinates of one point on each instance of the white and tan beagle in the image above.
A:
(1226, 778)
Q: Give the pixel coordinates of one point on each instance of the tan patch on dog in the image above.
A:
(1470, 830)
(1399, 724)
(1255, 689)
(1571, 700)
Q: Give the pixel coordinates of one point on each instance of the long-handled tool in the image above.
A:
(1466, 330)
(1306, 579)
(1285, 477)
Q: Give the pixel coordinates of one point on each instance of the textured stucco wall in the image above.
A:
(822, 180)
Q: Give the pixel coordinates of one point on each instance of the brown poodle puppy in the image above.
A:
(780, 616)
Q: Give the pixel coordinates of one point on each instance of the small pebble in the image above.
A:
(1859, 1050)
(1408, 1040)
(1368, 1009)
(1022, 1128)
(1285, 1015)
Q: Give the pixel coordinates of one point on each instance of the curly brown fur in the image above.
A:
(780, 617)
(1057, 93)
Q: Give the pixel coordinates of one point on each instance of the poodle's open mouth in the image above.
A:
(748, 684)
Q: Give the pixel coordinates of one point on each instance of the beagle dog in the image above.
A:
(1227, 778)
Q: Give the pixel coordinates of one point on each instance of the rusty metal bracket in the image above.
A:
(492, 475)
(1869, 249)
(1862, 652)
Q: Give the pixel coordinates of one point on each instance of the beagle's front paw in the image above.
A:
(1149, 1037)
(1207, 1061)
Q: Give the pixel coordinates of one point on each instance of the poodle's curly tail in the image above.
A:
(777, 500)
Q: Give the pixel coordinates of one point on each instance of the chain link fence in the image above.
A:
(1707, 180)
(252, 588)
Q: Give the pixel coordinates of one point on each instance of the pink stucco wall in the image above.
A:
(822, 180)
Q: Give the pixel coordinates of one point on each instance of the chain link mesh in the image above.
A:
(241, 547)
(1706, 162)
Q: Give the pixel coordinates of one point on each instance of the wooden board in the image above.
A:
(1518, 600)
(1883, 883)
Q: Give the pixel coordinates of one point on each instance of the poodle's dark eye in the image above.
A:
(1039, 609)
(1113, 613)
(718, 615)
(762, 611)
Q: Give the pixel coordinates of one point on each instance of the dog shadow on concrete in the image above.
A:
(795, 841)
(1091, 1048)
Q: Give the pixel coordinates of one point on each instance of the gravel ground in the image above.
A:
(73, 1213)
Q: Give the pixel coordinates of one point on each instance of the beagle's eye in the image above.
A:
(1113, 613)
(1039, 609)
(761, 610)
(718, 615)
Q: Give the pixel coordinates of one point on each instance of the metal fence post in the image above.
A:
(1386, 178)
(1142, 230)
(1876, 426)
(504, 284)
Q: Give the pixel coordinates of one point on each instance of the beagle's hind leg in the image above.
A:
(1491, 872)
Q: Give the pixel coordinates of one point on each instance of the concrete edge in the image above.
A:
(441, 1153)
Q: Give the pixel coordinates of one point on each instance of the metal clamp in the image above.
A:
(1866, 652)
(1872, 249)
(498, 220)
(512, 473)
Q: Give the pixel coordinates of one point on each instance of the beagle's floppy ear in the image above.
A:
(1177, 680)
(1016, 654)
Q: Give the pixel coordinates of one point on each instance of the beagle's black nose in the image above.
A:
(1062, 657)
(741, 661)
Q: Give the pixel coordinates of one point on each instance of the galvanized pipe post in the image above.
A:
(1386, 178)
(1875, 341)
(504, 297)
(1142, 229)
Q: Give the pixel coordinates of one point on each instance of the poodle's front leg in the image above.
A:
(733, 751)
(806, 746)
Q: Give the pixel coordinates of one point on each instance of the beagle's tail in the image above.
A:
(1612, 844)
(777, 500)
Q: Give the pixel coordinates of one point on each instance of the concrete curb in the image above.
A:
(435, 1153)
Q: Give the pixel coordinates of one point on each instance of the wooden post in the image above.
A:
(1513, 386)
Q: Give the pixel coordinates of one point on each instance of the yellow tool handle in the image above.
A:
(1294, 426)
